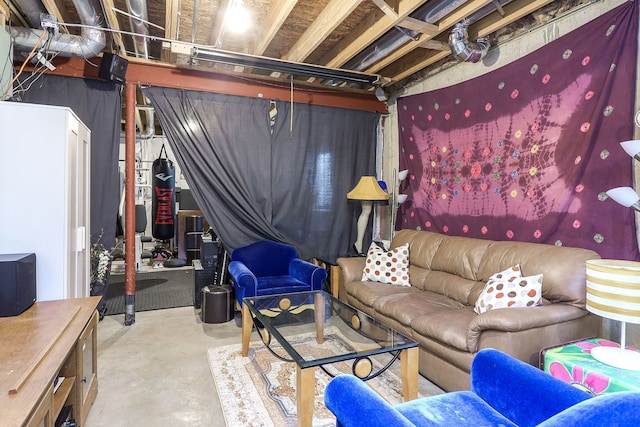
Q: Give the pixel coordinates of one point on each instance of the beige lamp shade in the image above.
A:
(613, 292)
(613, 289)
(368, 189)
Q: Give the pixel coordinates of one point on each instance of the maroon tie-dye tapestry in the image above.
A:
(526, 152)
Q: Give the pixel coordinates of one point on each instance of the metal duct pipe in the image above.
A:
(31, 9)
(138, 19)
(88, 44)
(392, 40)
(464, 50)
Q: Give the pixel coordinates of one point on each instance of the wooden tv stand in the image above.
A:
(48, 360)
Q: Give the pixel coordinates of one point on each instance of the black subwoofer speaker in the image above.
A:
(113, 68)
(17, 283)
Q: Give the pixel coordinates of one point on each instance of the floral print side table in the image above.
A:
(574, 364)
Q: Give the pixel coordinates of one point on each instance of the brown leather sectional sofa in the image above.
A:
(447, 274)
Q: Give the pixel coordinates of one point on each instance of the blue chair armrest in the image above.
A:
(618, 409)
(244, 281)
(355, 405)
(308, 273)
(522, 393)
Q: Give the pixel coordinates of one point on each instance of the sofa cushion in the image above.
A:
(563, 267)
(367, 293)
(445, 326)
(507, 289)
(390, 267)
(404, 307)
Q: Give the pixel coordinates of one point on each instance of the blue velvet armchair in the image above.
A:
(504, 392)
(270, 268)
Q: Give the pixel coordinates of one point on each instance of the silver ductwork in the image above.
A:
(138, 20)
(139, 23)
(88, 44)
(464, 50)
(431, 12)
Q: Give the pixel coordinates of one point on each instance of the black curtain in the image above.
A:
(98, 104)
(254, 179)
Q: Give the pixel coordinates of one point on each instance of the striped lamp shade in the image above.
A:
(613, 289)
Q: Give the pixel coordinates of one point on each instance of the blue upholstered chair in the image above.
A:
(270, 268)
(504, 392)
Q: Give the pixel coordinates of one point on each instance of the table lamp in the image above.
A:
(613, 292)
(367, 191)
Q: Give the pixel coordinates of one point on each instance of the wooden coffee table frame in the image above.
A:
(305, 375)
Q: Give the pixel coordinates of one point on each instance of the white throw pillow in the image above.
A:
(390, 267)
(508, 289)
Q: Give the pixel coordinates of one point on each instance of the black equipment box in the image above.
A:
(17, 283)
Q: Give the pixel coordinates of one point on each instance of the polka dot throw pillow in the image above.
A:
(509, 289)
(390, 267)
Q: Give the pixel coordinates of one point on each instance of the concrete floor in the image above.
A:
(155, 372)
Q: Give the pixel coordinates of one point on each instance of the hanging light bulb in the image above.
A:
(237, 19)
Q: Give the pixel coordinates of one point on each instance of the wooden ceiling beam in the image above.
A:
(419, 26)
(280, 10)
(366, 33)
(450, 20)
(408, 69)
(331, 16)
(171, 17)
(389, 7)
(513, 11)
(462, 13)
(112, 22)
(435, 45)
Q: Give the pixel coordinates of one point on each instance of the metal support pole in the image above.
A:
(130, 207)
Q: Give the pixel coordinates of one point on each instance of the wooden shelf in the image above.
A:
(61, 395)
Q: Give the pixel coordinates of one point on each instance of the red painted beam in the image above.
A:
(166, 75)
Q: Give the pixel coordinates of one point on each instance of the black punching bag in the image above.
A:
(163, 200)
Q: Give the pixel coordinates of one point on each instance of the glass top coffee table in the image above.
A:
(283, 318)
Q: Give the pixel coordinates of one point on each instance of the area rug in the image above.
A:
(260, 390)
(154, 291)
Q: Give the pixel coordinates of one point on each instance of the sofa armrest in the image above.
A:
(524, 394)
(308, 273)
(245, 282)
(355, 404)
(520, 319)
(351, 269)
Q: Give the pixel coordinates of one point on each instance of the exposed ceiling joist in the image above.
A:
(419, 26)
(512, 12)
(435, 45)
(331, 16)
(280, 10)
(389, 7)
(383, 37)
(112, 22)
(481, 29)
(172, 15)
(367, 33)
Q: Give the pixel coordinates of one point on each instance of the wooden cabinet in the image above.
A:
(48, 361)
(44, 168)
